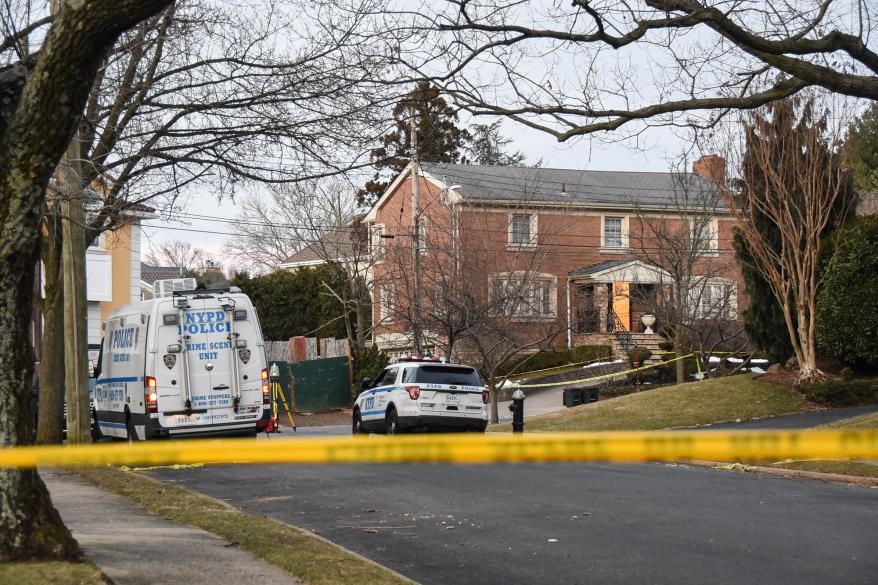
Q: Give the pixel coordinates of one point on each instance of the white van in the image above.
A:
(189, 364)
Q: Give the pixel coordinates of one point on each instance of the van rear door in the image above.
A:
(195, 370)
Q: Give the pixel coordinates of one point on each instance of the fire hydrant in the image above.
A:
(517, 408)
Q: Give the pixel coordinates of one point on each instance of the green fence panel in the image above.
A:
(320, 384)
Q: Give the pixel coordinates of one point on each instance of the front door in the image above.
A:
(622, 303)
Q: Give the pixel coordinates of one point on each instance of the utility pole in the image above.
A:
(75, 311)
(416, 234)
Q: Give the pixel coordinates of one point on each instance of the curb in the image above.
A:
(788, 473)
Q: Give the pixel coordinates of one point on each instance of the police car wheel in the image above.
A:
(392, 422)
(357, 428)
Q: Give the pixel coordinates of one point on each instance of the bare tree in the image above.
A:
(799, 180)
(43, 97)
(177, 253)
(268, 230)
(211, 96)
(321, 217)
(337, 234)
(688, 283)
(575, 69)
(481, 299)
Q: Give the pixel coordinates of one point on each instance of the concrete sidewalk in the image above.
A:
(133, 547)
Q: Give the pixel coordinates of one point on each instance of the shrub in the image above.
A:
(641, 354)
(367, 363)
(552, 358)
(666, 373)
(846, 374)
(847, 305)
(839, 392)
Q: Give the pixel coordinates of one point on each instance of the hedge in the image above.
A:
(847, 304)
(555, 358)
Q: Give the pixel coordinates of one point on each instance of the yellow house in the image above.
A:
(113, 270)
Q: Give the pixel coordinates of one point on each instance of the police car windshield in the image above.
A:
(447, 375)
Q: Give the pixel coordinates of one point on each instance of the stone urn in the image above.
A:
(648, 322)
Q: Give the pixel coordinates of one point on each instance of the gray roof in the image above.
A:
(542, 185)
(150, 274)
(339, 245)
(597, 267)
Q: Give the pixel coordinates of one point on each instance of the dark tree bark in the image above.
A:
(51, 401)
(42, 102)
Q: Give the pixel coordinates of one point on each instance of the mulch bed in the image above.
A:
(318, 419)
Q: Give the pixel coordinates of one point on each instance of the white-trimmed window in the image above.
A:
(704, 234)
(522, 230)
(714, 299)
(422, 235)
(387, 302)
(614, 232)
(376, 241)
(525, 296)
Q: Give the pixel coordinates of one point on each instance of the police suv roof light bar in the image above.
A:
(420, 358)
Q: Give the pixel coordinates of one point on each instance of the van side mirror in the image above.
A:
(366, 383)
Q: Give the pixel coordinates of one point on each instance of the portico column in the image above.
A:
(601, 303)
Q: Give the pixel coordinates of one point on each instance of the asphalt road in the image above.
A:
(569, 523)
(801, 420)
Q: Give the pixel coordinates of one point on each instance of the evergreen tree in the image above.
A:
(763, 319)
(488, 147)
(864, 151)
(439, 138)
(294, 303)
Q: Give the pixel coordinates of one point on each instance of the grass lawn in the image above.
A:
(296, 551)
(683, 405)
(866, 421)
(56, 573)
(831, 466)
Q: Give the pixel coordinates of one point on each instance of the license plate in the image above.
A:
(452, 399)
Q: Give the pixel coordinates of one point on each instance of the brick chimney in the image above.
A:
(711, 167)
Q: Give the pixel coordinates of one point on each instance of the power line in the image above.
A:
(540, 245)
(326, 229)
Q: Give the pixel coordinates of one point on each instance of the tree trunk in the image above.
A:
(680, 364)
(42, 103)
(492, 390)
(29, 525)
(808, 370)
(75, 311)
(51, 408)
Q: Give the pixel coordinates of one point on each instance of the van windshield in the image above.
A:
(448, 375)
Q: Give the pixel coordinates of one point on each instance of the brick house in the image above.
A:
(581, 249)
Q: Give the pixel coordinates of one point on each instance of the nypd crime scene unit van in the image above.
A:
(422, 393)
(188, 364)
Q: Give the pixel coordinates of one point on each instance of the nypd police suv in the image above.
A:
(422, 393)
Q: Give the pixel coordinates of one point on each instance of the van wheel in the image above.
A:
(392, 422)
(96, 434)
(357, 427)
(129, 426)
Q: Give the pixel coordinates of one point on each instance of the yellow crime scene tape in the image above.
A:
(745, 446)
(604, 377)
(561, 367)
